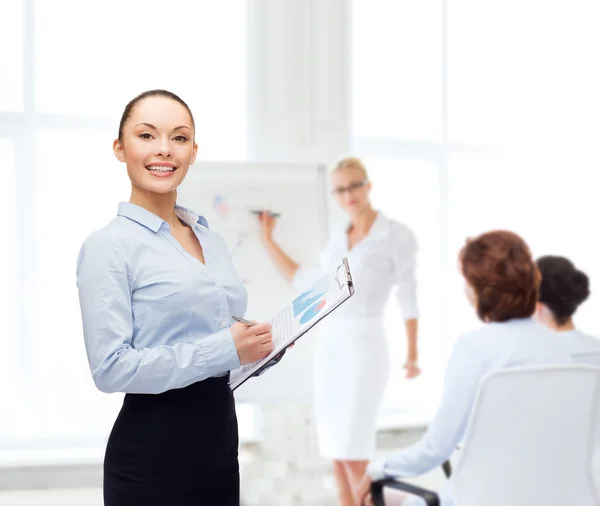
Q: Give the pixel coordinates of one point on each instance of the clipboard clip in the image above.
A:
(347, 277)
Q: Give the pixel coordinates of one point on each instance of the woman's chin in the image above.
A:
(158, 187)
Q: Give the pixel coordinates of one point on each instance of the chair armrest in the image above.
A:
(430, 498)
(447, 467)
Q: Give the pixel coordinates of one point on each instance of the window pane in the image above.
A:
(408, 191)
(115, 50)
(513, 79)
(8, 275)
(77, 194)
(12, 55)
(396, 69)
(549, 201)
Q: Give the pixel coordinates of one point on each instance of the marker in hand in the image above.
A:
(262, 211)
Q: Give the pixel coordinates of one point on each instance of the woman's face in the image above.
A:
(157, 145)
(351, 190)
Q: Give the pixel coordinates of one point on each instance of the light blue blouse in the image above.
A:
(154, 317)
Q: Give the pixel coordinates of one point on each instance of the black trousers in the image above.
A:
(179, 448)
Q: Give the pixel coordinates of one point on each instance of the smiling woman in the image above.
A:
(157, 292)
(161, 149)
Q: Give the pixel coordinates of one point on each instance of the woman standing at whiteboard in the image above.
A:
(352, 358)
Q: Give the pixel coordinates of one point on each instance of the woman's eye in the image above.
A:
(145, 136)
(181, 138)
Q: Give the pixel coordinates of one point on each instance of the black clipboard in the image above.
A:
(342, 278)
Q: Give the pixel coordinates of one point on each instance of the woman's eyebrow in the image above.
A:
(150, 125)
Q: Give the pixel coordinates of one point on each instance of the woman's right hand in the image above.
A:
(252, 343)
(267, 225)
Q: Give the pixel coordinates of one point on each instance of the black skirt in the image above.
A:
(178, 448)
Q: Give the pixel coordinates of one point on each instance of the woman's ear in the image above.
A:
(119, 150)
(194, 153)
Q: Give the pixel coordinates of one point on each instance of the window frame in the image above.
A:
(394, 412)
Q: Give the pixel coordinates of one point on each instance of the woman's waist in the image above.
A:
(357, 327)
(201, 392)
(351, 315)
(362, 307)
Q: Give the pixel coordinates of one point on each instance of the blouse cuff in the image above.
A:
(376, 470)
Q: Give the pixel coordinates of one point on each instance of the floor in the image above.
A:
(93, 496)
(76, 497)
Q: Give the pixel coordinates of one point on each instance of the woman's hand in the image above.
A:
(412, 369)
(267, 225)
(252, 343)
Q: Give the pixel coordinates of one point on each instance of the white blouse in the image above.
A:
(384, 260)
(578, 342)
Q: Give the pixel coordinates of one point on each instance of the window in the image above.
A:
(506, 99)
(61, 104)
(9, 266)
(64, 218)
(396, 69)
(79, 76)
(397, 128)
(519, 72)
(482, 90)
(408, 192)
(534, 197)
(11, 36)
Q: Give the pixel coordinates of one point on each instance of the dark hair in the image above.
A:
(563, 287)
(150, 93)
(499, 267)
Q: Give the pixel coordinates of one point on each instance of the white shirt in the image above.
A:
(578, 342)
(521, 342)
(384, 260)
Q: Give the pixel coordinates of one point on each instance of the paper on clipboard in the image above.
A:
(299, 316)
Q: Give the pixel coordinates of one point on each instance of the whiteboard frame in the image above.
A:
(319, 167)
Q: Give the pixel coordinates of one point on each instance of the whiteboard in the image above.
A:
(225, 193)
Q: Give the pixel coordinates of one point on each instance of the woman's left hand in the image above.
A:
(412, 369)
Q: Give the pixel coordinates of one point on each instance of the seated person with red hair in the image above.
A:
(502, 284)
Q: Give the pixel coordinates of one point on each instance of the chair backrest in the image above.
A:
(592, 358)
(530, 439)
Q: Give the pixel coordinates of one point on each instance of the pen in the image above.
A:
(257, 212)
(248, 323)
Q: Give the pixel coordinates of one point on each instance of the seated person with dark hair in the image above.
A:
(563, 289)
(502, 284)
